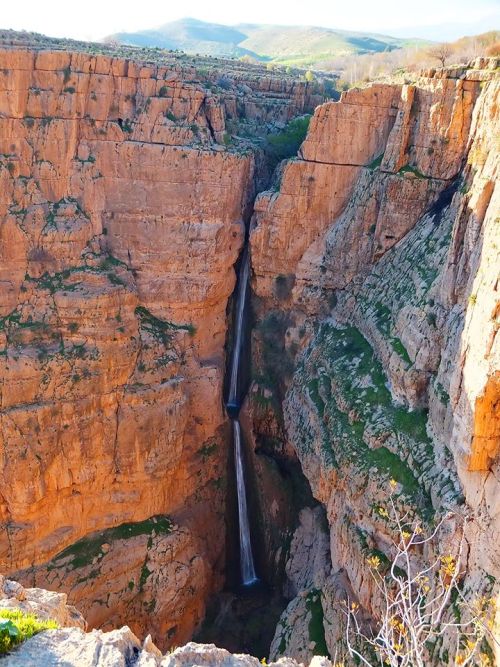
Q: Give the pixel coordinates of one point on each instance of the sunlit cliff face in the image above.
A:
(374, 274)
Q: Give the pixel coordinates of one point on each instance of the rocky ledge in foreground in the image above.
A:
(71, 646)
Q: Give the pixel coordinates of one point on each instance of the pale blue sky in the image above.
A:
(92, 19)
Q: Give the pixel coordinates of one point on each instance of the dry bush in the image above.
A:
(422, 605)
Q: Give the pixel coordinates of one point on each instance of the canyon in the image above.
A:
(128, 192)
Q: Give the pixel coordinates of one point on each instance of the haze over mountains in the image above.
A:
(294, 45)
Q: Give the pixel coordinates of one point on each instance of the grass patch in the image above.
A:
(407, 169)
(441, 393)
(400, 349)
(207, 450)
(347, 386)
(162, 330)
(375, 164)
(145, 572)
(286, 143)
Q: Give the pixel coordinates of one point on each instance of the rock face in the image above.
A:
(153, 573)
(44, 604)
(376, 274)
(124, 189)
(122, 214)
(300, 630)
(121, 648)
(70, 646)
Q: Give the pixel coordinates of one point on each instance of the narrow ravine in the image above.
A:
(247, 566)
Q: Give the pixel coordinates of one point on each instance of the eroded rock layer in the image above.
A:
(70, 646)
(376, 282)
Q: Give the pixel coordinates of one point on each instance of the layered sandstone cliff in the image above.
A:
(124, 191)
(122, 214)
(375, 274)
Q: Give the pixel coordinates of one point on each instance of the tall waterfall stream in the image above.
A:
(247, 567)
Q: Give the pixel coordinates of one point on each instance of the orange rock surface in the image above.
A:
(486, 440)
(121, 219)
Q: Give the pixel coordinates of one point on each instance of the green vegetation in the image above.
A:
(127, 126)
(16, 626)
(383, 321)
(84, 551)
(207, 450)
(116, 280)
(145, 572)
(316, 627)
(443, 395)
(400, 349)
(162, 330)
(348, 388)
(39, 331)
(375, 164)
(407, 169)
(286, 143)
(300, 46)
(56, 281)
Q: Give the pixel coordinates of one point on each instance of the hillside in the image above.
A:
(363, 67)
(298, 45)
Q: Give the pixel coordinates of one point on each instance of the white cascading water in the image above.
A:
(240, 311)
(247, 567)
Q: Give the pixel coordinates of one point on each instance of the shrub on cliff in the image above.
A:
(425, 615)
(286, 143)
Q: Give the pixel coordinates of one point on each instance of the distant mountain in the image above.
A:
(302, 46)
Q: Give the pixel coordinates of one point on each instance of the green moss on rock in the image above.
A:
(83, 552)
(316, 628)
(347, 386)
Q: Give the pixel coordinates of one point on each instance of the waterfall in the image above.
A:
(247, 568)
(240, 311)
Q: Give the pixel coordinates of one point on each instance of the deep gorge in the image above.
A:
(131, 195)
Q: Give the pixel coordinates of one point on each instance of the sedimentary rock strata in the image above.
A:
(125, 188)
(122, 217)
